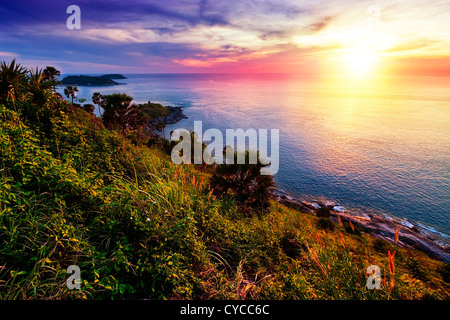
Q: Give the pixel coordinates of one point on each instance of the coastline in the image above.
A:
(409, 235)
(175, 114)
(377, 226)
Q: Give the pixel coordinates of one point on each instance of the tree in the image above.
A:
(12, 81)
(89, 108)
(115, 106)
(160, 125)
(97, 99)
(244, 183)
(38, 87)
(70, 91)
(50, 74)
(120, 114)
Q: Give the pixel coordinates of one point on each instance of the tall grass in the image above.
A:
(140, 227)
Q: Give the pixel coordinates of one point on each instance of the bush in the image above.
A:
(290, 245)
(323, 212)
(445, 272)
(356, 229)
(382, 246)
(245, 184)
(325, 224)
(89, 108)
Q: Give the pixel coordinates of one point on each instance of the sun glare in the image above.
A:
(360, 61)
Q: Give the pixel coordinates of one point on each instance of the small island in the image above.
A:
(113, 76)
(88, 81)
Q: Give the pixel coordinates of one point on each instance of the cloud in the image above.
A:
(205, 33)
(8, 54)
(320, 24)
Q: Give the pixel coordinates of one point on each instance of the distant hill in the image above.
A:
(88, 81)
(113, 76)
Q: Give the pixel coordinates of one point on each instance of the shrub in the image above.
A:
(445, 272)
(244, 182)
(290, 246)
(381, 246)
(325, 224)
(323, 212)
(89, 108)
(356, 229)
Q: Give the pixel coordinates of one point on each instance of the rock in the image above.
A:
(308, 205)
(339, 208)
(316, 205)
(329, 204)
(385, 228)
(175, 115)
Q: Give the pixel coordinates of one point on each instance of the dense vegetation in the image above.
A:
(113, 76)
(88, 81)
(74, 192)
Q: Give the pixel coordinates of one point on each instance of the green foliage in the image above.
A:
(325, 224)
(50, 75)
(382, 246)
(120, 114)
(12, 81)
(323, 212)
(88, 81)
(245, 183)
(140, 227)
(353, 229)
(71, 92)
(154, 110)
(89, 108)
(445, 272)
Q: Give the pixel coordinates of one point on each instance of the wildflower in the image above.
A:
(391, 257)
(316, 235)
(309, 223)
(351, 226)
(339, 220)
(342, 239)
(396, 235)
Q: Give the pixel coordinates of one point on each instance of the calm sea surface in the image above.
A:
(371, 146)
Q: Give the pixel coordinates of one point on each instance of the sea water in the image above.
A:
(370, 146)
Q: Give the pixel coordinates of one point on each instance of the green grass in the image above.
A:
(154, 110)
(139, 226)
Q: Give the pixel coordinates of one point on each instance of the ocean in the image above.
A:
(379, 146)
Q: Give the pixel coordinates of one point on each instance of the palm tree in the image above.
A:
(115, 107)
(37, 86)
(12, 81)
(244, 182)
(50, 74)
(70, 91)
(97, 99)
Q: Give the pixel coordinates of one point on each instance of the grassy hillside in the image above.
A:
(75, 193)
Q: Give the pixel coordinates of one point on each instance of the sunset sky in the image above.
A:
(153, 36)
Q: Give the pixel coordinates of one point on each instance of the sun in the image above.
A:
(359, 61)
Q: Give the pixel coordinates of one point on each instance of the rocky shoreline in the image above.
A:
(384, 228)
(175, 115)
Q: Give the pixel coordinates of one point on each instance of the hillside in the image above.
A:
(73, 192)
